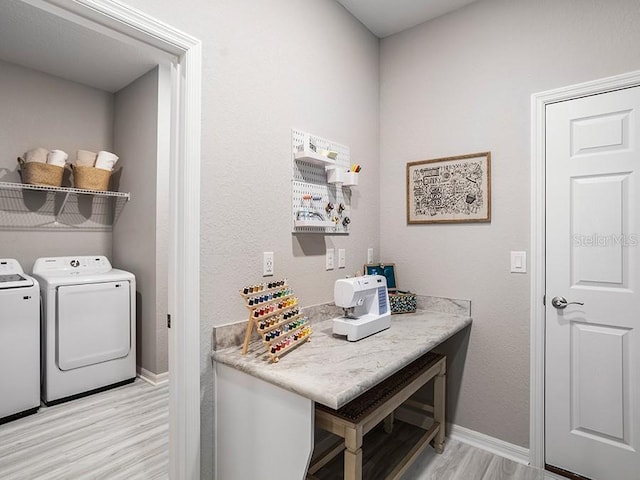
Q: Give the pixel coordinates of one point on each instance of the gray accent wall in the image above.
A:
(140, 236)
(269, 66)
(54, 113)
(461, 84)
(40, 110)
(458, 84)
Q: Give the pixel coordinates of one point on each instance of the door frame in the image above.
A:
(133, 26)
(539, 101)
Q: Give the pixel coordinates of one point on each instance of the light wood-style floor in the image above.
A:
(124, 434)
(117, 434)
(458, 462)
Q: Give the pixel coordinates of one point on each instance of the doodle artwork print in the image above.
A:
(452, 189)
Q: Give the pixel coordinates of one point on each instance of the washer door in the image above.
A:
(93, 324)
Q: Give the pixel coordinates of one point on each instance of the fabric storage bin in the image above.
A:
(400, 301)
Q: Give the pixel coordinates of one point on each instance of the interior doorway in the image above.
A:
(542, 309)
(592, 342)
(122, 35)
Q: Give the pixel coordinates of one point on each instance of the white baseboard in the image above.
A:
(471, 437)
(491, 444)
(153, 378)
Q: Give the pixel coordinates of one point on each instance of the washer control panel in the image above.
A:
(85, 265)
(9, 266)
(11, 274)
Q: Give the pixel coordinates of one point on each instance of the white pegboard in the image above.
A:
(321, 196)
(309, 172)
(310, 179)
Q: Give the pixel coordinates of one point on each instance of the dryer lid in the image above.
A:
(12, 276)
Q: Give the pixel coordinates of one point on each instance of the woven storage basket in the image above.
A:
(91, 178)
(36, 173)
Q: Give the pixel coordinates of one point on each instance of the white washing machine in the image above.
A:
(88, 326)
(19, 342)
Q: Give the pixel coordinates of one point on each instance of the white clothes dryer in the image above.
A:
(88, 326)
(19, 342)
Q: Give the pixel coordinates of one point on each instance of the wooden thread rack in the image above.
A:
(275, 314)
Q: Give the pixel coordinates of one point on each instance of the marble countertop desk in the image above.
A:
(332, 371)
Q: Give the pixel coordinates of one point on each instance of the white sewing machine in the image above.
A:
(365, 302)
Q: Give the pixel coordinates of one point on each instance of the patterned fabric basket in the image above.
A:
(36, 173)
(402, 302)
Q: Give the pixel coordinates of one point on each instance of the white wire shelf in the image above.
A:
(24, 206)
(46, 188)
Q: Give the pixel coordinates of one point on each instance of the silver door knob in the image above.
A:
(561, 303)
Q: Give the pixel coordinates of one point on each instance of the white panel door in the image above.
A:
(93, 324)
(592, 358)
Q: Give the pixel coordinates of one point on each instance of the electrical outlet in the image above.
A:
(267, 264)
(342, 258)
(329, 259)
(370, 255)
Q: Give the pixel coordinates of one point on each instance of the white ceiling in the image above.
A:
(42, 41)
(386, 17)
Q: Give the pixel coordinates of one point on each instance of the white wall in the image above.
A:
(462, 84)
(269, 66)
(40, 110)
(139, 238)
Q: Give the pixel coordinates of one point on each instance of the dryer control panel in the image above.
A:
(86, 265)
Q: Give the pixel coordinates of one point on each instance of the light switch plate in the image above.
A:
(518, 262)
(370, 255)
(342, 258)
(330, 259)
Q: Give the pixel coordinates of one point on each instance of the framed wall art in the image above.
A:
(450, 190)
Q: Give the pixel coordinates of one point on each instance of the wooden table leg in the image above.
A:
(439, 401)
(388, 423)
(353, 454)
